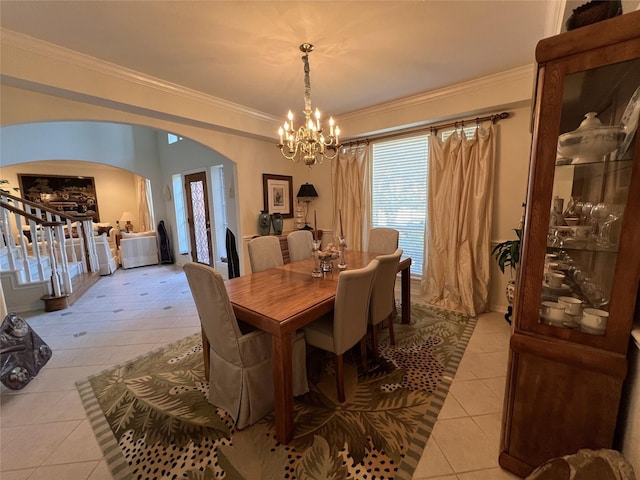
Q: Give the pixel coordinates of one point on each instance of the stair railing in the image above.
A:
(51, 236)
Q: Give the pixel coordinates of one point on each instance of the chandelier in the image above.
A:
(308, 141)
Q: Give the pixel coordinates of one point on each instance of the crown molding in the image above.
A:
(525, 73)
(65, 55)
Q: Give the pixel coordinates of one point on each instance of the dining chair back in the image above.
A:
(240, 364)
(382, 305)
(347, 325)
(300, 245)
(383, 240)
(264, 253)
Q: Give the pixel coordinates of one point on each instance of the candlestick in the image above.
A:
(315, 224)
(316, 272)
(340, 215)
(342, 243)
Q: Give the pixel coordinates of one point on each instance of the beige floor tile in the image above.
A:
(445, 477)
(488, 474)
(71, 471)
(41, 439)
(465, 446)
(492, 322)
(475, 397)
(451, 409)
(101, 472)
(497, 384)
(432, 463)
(59, 379)
(33, 408)
(490, 425)
(464, 372)
(487, 343)
(17, 474)
(486, 365)
(79, 446)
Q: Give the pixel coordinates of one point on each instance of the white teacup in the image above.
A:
(550, 267)
(594, 318)
(554, 279)
(552, 311)
(572, 305)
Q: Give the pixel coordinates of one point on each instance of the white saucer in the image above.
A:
(563, 288)
(552, 321)
(593, 331)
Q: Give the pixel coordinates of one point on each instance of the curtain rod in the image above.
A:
(429, 128)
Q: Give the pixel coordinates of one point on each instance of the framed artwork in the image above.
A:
(278, 194)
(75, 196)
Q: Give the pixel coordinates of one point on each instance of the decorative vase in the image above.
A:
(510, 290)
(278, 223)
(264, 223)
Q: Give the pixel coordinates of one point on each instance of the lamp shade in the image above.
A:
(307, 190)
(126, 217)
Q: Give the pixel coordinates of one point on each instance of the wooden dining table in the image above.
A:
(284, 299)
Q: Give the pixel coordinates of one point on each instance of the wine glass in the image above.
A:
(595, 293)
(600, 214)
(585, 212)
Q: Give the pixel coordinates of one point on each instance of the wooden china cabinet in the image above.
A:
(582, 225)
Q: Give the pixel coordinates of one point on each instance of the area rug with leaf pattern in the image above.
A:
(152, 419)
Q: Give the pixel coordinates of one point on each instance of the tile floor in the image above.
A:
(45, 434)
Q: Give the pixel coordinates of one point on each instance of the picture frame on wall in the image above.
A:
(74, 196)
(277, 191)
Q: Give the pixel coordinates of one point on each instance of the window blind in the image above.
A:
(399, 192)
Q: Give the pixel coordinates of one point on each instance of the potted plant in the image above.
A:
(507, 254)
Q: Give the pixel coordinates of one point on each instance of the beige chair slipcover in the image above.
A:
(300, 245)
(107, 256)
(139, 249)
(383, 240)
(382, 305)
(240, 365)
(340, 331)
(264, 253)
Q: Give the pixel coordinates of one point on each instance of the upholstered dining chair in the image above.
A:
(382, 305)
(347, 326)
(240, 364)
(300, 245)
(264, 253)
(383, 240)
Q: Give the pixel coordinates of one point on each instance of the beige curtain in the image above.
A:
(349, 174)
(461, 170)
(145, 213)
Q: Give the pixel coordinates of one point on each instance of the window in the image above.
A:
(181, 215)
(219, 210)
(171, 138)
(399, 192)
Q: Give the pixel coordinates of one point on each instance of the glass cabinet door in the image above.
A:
(591, 184)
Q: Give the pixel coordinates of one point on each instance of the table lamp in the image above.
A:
(125, 219)
(307, 193)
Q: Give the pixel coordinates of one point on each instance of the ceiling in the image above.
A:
(366, 52)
